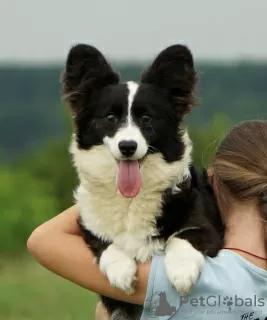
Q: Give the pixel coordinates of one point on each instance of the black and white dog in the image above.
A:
(133, 157)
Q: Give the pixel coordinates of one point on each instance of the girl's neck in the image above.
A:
(244, 231)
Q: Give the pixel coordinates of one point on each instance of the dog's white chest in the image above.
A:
(129, 223)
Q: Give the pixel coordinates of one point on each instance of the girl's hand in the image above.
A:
(100, 312)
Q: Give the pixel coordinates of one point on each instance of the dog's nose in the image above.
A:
(127, 147)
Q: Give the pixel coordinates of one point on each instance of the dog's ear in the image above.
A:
(173, 70)
(86, 70)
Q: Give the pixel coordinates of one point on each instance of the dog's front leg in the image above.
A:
(119, 268)
(183, 264)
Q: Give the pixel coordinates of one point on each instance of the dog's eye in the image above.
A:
(111, 118)
(146, 119)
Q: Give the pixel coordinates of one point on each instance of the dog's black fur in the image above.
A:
(92, 89)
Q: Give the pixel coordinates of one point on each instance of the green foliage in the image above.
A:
(34, 188)
(24, 205)
(206, 139)
(53, 164)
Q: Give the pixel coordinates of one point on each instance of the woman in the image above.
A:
(233, 285)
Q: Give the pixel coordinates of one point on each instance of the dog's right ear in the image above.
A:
(173, 71)
(86, 70)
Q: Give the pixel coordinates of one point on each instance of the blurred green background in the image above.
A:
(37, 178)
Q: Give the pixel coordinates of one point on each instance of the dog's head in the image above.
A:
(133, 120)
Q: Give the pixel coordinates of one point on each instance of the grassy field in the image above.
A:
(28, 291)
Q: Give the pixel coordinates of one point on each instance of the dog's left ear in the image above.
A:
(86, 71)
(173, 70)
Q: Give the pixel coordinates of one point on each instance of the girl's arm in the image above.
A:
(58, 246)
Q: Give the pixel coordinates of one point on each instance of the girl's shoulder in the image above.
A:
(228, 285)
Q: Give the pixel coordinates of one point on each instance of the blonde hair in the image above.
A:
(240, 167)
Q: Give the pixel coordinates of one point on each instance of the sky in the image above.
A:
(34, 31)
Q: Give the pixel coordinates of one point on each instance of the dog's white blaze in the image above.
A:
(126, 222)
(129, 131)
(132, 87)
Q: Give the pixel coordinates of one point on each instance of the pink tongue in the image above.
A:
(129, 178)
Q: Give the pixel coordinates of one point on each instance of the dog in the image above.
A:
(139, 193)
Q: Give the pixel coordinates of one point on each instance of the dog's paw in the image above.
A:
(183, 264)
(119, 268)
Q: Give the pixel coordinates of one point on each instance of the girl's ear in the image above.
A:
(210, 173)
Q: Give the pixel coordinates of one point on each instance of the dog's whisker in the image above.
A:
(153, 149)
(152, 128)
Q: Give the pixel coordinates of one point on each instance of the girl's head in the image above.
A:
(240, 167)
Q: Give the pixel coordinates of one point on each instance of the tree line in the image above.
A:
(31, 110)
